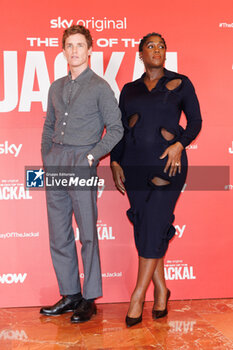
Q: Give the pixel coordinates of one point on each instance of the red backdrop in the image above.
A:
(199, 39)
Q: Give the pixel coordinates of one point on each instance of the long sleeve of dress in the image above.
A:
(191, 108)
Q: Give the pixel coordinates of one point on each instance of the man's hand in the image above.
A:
(90, 159)
(118, 176)
(90, 162)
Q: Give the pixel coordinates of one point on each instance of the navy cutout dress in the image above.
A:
(138, 153)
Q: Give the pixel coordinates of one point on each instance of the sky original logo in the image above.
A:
(98, 24)
(5, 148)
(35, 178)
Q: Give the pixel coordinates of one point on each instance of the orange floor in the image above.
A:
(190, 324)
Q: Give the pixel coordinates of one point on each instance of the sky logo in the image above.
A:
(35, 178)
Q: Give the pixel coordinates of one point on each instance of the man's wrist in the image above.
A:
(90, 157)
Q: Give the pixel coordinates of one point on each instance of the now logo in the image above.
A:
(10, 278)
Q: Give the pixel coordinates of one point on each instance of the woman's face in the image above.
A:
(153, 53)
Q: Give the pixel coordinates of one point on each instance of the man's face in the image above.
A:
(76, 51)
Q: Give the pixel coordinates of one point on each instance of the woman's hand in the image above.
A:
(118, 176)
(174, 158)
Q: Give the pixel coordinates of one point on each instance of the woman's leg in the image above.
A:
(160, 292)
(146, 269)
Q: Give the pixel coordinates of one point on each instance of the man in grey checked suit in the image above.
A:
(79, 106)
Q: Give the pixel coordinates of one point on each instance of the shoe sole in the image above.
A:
(61, 313)
(84, 320)
(81, 321)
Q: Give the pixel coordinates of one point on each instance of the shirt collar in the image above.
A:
(167, 74)
(82, 77)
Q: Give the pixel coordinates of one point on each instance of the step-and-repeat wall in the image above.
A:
(199, 37)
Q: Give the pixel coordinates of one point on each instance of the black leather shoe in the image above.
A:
(132, 321)
(161, 313)
(62, 306)
(84, 311)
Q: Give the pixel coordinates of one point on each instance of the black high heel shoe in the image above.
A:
(132, 321)
(161, 313)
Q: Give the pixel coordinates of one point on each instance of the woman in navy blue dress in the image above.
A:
(150, 163)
